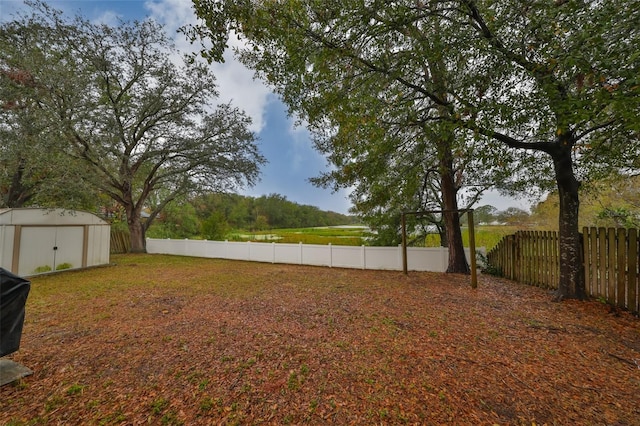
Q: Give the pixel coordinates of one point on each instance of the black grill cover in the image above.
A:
(13, 298)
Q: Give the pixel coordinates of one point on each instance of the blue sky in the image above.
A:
(292, 159)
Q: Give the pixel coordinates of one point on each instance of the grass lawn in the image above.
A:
(487, 236)
(186, 341)
(338, 235)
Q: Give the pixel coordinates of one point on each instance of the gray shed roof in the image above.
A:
(51, 217)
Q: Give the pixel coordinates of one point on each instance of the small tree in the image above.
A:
(215, 227)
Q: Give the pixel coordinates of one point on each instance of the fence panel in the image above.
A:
(419, 259)
(621, 257)
(437, 258)
(531, 258)
(214, 249)
(261, 252)
(288, 253)
(346, 256)
(611, 262)
(120, 242)
(317, 255)
(391, 258)
(601, 263)
(611, 265)
(590, 281)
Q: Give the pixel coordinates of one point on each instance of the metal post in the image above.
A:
(472, 249)
(404, 244)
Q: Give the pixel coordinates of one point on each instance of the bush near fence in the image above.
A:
(610, 260)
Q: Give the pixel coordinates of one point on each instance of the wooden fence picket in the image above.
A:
(602, 262)
(633, 276)
(611, 262)
(120, 242)
(621, 257)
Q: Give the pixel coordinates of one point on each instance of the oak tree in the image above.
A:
(34, 168)
(137, 118)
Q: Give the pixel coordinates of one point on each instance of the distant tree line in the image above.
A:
(213, 216)
(610, 202)
(489, 215)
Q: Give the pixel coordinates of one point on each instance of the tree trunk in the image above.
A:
(571, 281)
(442, 232)
(457, 259)
(136, 234)
(18, 194)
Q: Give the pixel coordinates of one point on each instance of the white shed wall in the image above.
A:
(7, 233)
(45, 248)
(99, 245)
(34, 241)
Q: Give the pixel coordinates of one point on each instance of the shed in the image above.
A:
(34, 241)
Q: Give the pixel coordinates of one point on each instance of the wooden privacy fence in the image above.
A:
(610, 257)
(611, 265)
(120, 242)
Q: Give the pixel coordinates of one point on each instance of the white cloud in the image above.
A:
(108, 18)
(235, 81)
(502, 202)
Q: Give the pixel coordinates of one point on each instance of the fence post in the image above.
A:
(472, 249)
(364, 258)
(301, 248)
(330, 256)
(404, 244)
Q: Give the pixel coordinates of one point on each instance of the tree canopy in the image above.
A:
(34, 167)
(214, 215)
(549, 87)
(142, 123)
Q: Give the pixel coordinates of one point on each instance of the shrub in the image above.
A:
(63, 266)
(42, 269)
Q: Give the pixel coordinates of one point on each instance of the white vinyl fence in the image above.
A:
(359, 257)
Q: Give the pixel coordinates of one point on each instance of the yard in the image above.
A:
(173, 340)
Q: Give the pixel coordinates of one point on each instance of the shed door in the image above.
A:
(45, 248)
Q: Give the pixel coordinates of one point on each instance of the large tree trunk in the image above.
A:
(457, 259)
(136, 227)
(18, 194)
(571, 281)
(136, 233)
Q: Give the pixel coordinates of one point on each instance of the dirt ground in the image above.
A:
(182, 341)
